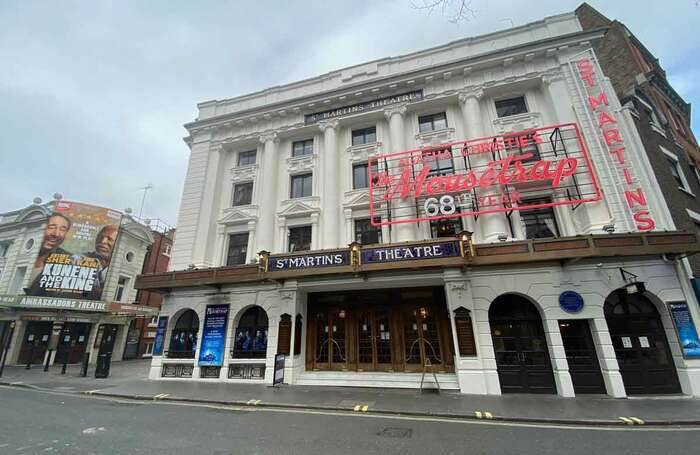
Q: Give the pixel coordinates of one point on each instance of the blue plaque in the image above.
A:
(418, 252)
(211, 352)
(687, 334)
(160, 335)
(571, 301)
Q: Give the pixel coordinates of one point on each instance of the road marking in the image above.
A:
(478, 414)
(637, 420)
(626, 420)
(356, 408)
(365, 408)
(360, 408)
(253, 402)
(483, 415)
(488, 415)
(160, 396)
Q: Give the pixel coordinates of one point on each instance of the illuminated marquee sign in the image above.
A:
(607, 125)
(536, 168)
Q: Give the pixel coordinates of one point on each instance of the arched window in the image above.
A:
(183, 340)
(251, 335)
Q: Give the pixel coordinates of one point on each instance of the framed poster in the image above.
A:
(214, 335)
(160, 335)
(685, 329)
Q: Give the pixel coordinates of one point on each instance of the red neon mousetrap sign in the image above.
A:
(536, 168)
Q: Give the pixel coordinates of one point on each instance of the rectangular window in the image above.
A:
(367, 234)
(440, 162)
(676, 170)
(120, 293)
(364, 136)
(360, 178)
(299, 238)
(246, 158)
(522, 144)
(433, 122)
(301, 186)
(149, 348)
(17, 280)
(167, 249)
(237, 249)
(511, 106)
(539, 223)
(242, 194)
(301, 148)
(447, 227)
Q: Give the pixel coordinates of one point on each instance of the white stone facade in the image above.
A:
(463, 79)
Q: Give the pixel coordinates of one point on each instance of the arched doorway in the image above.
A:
(183, 339)
(640, 344)
(521, 351)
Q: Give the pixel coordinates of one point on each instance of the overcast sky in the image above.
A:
(93, 95)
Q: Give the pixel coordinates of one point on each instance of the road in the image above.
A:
(52, 423)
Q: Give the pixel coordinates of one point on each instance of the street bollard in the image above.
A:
(84, 366)
(31, 355)
(48, 360)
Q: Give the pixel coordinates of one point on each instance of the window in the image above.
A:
(120, 293)
(301, 148)
(183, 340)
(301, 185)
(367, 234)
(149, 348)
(299, 239)
(242, 194)
(364, 136)
(446, 227)
(167, 249)
(676, 170)
(434, 122)
(511, 106)
(539, 223)
(237, 249)
(246, 158)
(251, 335)
(695, 171)
(3, 249)
(359, 175)
(440, 162)
(17, 280)
(522, 144)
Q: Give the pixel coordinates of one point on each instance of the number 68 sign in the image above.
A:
(444, 206)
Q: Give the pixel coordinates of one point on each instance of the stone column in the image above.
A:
(401, 208)
(314, 231)
(282, 240)
(349, 231)
(330, 212)
(250, 254)
(209, 210)
(489, 227)
(268, 206)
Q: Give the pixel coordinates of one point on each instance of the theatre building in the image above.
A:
(479, 210)
(96, 253)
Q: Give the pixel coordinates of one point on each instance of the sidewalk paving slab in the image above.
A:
(129, 380)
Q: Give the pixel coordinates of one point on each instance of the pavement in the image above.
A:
(128, 379)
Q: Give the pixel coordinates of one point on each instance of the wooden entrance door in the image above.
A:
(581, 356)
(72, 342)
(35, 342)
(640, 344)
(330, 340)
(522, 358)
(374, 341)
(422, 341)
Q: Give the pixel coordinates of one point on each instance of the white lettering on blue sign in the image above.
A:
(414, 252)
(309, 261)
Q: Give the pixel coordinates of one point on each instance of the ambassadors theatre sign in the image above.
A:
(536, 168)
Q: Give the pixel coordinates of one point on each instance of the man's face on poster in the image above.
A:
(55, 232)
(104, 243)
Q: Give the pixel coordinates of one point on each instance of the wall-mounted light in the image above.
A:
(263, 258)
(466, 246)
(355, 256)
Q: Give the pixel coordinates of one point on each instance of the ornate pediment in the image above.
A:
(238, 215)
(300, 207)
(363, 152)
(356, 199)
(244, 173)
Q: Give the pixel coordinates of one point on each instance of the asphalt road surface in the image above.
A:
(33, 422)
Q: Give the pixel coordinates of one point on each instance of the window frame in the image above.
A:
(247, 153)
(257, 324)
(455, 220)
(120, 293)
(292, 178)
(304, 143)
(370, 229)
(530, 213)
(241, 185)
(375, 169)
(432, 117)
(244, 247)
(297, 229)
(365, 132)
(503, 100)
(673, 159)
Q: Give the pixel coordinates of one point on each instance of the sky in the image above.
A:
(93, 95)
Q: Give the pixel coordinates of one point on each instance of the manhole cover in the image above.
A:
(396, 432)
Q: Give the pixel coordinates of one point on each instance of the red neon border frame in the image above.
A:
(586, 158)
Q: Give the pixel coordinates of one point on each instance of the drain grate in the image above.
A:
(396, 432)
